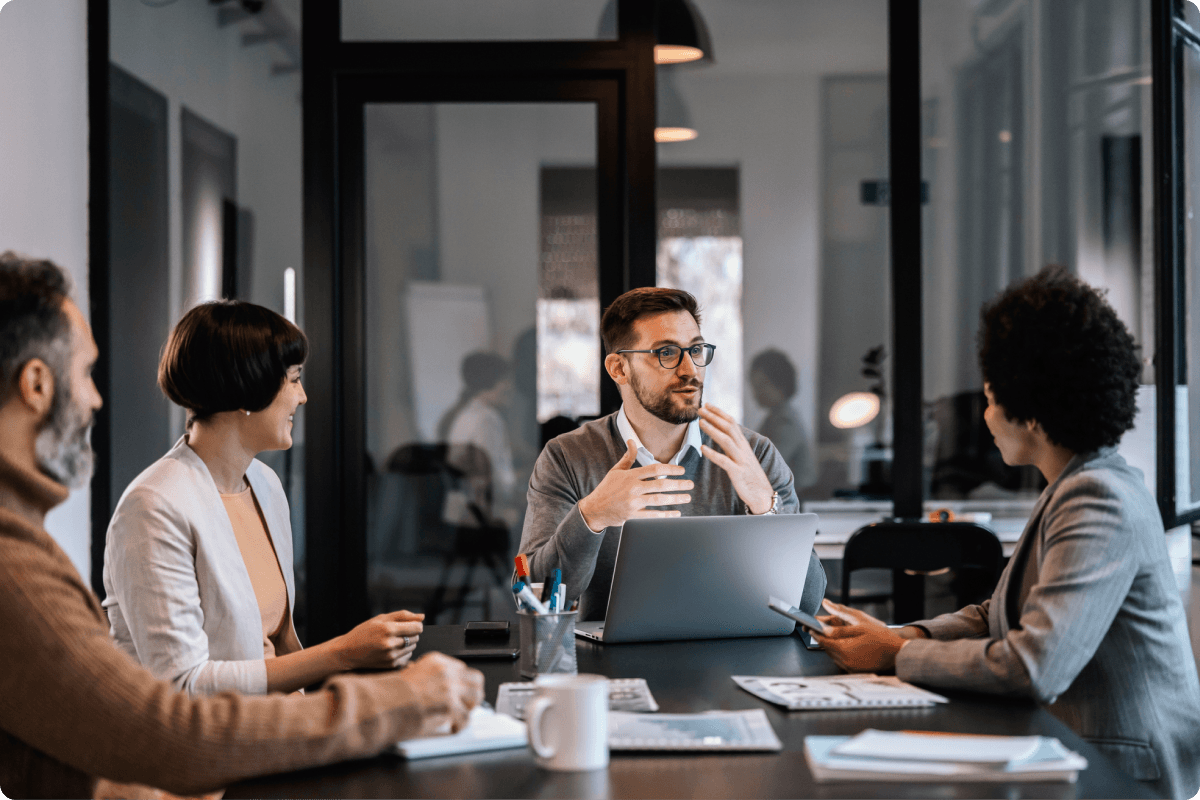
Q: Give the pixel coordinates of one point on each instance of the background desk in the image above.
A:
(695, 676)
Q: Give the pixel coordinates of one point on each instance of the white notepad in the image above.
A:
(914, 746)
(486, 730)
(1049, 761)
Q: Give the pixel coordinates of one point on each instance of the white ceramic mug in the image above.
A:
(568, 722)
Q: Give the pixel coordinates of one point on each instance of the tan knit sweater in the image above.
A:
(73, 707)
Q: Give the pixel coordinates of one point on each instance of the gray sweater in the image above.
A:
(572, 465)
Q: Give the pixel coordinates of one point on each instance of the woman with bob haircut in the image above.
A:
(198, 561)
(1086, 619)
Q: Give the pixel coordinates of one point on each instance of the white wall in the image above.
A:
(44, 172)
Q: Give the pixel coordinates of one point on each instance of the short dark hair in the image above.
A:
(229, 355)
(778, 369)
(1052, 350)
(616, 326)
(33, 323)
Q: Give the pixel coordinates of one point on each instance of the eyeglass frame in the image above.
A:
(658, 354)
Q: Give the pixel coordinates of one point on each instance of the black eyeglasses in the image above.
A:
(670, 355)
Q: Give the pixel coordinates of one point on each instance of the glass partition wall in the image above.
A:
(481, 331)
(1036, 150)
(485, 229)
(762, 215)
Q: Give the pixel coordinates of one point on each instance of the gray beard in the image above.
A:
(63, 447)
(661, 405)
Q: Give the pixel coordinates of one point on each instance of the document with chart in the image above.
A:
(837, 691)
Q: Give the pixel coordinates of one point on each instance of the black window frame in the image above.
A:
(1170, 34)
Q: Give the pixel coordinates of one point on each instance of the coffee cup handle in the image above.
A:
(533, 716)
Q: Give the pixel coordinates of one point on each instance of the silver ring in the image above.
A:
(406, 641)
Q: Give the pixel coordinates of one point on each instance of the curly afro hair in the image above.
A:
(1052, 350)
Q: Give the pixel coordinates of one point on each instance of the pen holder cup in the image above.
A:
(547, 643)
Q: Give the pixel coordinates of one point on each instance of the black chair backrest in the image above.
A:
(922, 547)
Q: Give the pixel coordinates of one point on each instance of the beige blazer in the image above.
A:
(1087, 620)
(178, 596)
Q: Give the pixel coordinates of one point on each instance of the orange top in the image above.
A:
(258, 552)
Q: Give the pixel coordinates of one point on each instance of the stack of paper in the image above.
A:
(928, 756)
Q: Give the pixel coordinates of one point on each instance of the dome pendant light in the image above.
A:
(680, 34)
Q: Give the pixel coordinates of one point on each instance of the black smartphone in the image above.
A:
(487, 631)
(499, 653)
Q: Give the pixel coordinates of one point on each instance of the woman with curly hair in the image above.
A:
(1086, 619)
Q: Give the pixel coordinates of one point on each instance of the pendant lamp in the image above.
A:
(680, 33)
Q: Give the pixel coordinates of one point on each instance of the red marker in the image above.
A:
(522, 562)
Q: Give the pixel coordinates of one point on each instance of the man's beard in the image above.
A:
(64, 443)
(663, 405)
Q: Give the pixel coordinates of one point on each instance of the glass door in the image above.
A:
(481, 315)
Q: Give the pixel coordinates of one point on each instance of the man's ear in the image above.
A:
(35, 386)
(617, 368)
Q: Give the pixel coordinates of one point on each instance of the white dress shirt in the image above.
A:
(644, 457)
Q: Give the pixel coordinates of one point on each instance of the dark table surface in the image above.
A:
(690, 677)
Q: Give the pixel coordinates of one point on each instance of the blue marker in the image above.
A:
(525, 595)
(556, 582)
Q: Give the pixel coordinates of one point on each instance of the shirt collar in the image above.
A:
(645, 458)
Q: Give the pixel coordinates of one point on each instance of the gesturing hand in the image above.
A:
(379, 642)
(627, 491)
(739, 461)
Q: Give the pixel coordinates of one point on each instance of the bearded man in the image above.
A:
(663, 454)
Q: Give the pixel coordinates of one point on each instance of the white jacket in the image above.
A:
(178, 596)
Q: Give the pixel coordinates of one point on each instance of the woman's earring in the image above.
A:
(247, 413)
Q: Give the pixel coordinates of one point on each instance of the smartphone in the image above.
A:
(807, 620)
(487, 631)
(498, 653)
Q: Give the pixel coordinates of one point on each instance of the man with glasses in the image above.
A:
(662, 454)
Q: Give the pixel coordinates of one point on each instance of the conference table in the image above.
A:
(694, 676)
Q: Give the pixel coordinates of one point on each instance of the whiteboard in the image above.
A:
(446, 322)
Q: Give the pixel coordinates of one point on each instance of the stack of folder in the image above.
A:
(927, 756)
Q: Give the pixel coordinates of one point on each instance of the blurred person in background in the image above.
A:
(773, 384)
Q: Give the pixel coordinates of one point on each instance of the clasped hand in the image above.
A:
(629, 492)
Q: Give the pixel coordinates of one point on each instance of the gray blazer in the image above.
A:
(177, 593)
(1088, 621)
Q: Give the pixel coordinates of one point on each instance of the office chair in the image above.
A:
(913, 549)
(451, 505)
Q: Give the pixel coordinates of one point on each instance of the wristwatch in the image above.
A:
(774, 509)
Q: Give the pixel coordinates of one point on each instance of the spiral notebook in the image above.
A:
(838, 691)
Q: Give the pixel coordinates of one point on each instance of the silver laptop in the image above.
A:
(705, 577)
